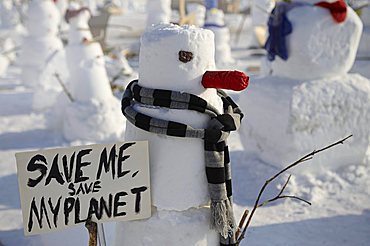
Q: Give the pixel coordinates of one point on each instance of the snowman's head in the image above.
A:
(77, 15)
(176, 57)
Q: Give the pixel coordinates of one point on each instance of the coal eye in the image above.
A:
(185, 56)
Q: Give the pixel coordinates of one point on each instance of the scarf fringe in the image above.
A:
(222, 218)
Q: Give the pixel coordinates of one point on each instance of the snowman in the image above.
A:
(92, 112)
(42, 44)
(309, 99)
(215, 22)
(158, 11)
(42, 53)
(166, 106)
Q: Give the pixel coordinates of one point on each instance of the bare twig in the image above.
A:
(66, 91)
(279, 196)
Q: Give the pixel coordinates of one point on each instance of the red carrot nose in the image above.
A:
(228, 80)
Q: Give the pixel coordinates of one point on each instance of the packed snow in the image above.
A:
(289, 111)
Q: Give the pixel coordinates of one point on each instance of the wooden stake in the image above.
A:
(92, 227)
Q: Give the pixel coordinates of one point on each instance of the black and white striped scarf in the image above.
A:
(217, 161)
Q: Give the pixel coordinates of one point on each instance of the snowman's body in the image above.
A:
(94, 115)
(310, 100)
(179, 185)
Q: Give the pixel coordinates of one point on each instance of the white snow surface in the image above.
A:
(318, 46)
(340, 211)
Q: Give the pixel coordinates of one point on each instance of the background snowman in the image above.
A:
(299, 106)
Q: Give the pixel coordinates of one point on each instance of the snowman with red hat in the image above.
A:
(178, 106)
(91, 112)
(308, 98)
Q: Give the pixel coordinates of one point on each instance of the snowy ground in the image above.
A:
(339, 215)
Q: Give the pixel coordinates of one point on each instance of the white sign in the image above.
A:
(67, 186)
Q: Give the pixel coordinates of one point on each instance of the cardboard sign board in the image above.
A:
(67, 186)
